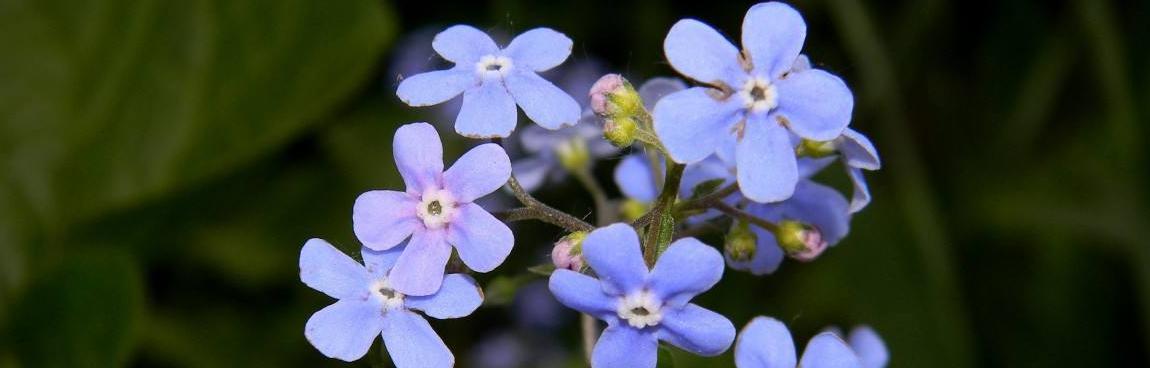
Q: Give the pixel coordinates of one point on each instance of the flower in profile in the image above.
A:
(753, 101)
(766, 343)
(436, 210)
(369, 306)
(644, 306)
(493, 81)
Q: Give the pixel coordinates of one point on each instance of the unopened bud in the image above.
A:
(568, 252)
(620, 131)
(632, 210)
(573, 154)
(740, 243)
(815, 149)
(613, 96)
(800, 241)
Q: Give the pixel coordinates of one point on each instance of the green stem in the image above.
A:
(663, 203)
(730, 210)
(535, 210)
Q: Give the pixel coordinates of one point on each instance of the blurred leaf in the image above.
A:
(544, 269)
(666, 358)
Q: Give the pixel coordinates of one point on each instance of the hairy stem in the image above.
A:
(663, 204)
(744, 215)
(535, 210)
(708, 200)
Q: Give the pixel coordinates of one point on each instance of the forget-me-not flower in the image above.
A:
(644, 306)
(436, 210)
(369, 306)
(766, 343)
(493, 81)
(754, 100)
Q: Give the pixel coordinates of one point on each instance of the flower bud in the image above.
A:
(632, 210)
(620, 131)
(568, 252)
(740, 243)
(800, 241)
(815, 149)
(573, 154)
(613, 96)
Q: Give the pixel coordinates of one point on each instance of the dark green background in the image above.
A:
(163, 162)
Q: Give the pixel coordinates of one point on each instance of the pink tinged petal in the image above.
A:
(773, 33)
(483, 242)
(699, 52)
(765, 343)
(858, 151)
(419, 270)
(412, 343)
(463, 44)
(582, 293)
(827, 350)
(541, 101)
(621, 346)
(615, 255)
(861, 196)
(435, 87)
(378, 262)
(686, 269)
(478, 172)
(869, 346)
(382, 219)
(418, 156)
(767, 170)
(326, 269)
(692, 124)
(344, 330)
(817, 105)
(458, 297)
(488, 111)
(697, 330)
(539, 49)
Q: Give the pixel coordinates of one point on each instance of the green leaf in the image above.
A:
(705, 188)
(544, 269)
(666, 232)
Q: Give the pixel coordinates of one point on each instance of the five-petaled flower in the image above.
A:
(644, 306)
(755, 99)
(436, 210)
(766, 343)
(494, 80)
(369, 306)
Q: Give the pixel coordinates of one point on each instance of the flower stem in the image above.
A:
(706, 201)
(663, 204)
(535, 210)
(590, 334)
(744, 215)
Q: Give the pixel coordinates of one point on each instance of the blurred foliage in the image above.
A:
(163, 162)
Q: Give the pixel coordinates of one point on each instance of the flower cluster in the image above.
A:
(733, 148)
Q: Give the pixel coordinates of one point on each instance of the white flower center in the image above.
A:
(436, 208)
(759, 95)
(640, 309)
(493, 66)
(390, 298)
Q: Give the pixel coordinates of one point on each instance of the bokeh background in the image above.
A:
(163, 162)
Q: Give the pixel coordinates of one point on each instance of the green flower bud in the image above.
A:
(800, 241)
(741, 243)
(620, 132)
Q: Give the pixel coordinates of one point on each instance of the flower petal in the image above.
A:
(539, 49)
(435, 87)
(773, 33)
(344, 330)
(699, 52)
(412, 343)
(326, 269)
(582, 293)
(633, 176)
(765, 343)
(858, 151)
(766, 167)
(457, 297)
(483, 242)
(700, 172)
(543, 102)
(615, 255)
(621, 346)
(697, 330)
(379, 262)
(687, 268)
(861, 196)
(821, 206)
(488, 111)
(418, 156)
(478, 172)
(691, 123)
(382, 219)
(655, 88)
(531, 172)
(816, 104)
(462, 44)
(869, 346)
(827, 350)
(419, 269)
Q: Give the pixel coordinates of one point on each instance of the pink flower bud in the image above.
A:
(601, 91)
(800, 241)
(813, 243)
(565, 256)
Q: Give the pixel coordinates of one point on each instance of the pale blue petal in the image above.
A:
(687, 268)
(326, 269)
(699, 52)
(378, 263)
(773, 33)
(541, 101)
(861, 196)
(458, 297)
(483, 242)
(463, 44)
(539, 49)
(858, 151)
(344, 330)
(531, 172)
(827, 350)
(582, 293)
(615, 255)
(869, 346)
(488, 111)
(382, 219)
(536, 139)
(727, 148)
(418, 156)
(709, 169)
(765, 343)
(767, 170)
(816, 104)
(767, 256)
(821, 206)
(478, 172)
(633, 176)
(419, 269)
(432, 88)
(691, 123)
(697, 330)
(621, 346)
(655, 88)
(412, 343)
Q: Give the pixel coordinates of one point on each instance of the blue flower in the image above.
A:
(437, 210)
(754, 100)
(494, 80)
(644, 306)
(857, 154)
(766, 343)
(368, 306)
